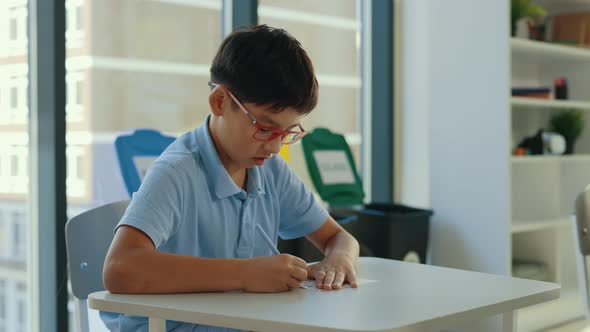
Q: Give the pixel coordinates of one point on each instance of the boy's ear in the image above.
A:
(216, 99)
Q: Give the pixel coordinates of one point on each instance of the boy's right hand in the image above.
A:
(272, 274)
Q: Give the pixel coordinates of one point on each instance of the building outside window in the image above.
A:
(21, 307)
(317, 24)
(13, 93)
(143, 70)
(74, 23)
(13, 29)
(19, 240)
(4, 167)
(74, 97)
(147, 68)
(14, 173)
(76, 183)
(17, 28)
(3, 236)
(3, 307)
(17, 110)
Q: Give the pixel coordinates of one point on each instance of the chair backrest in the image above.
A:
(136, 152)
(88, 237)
(581, 228)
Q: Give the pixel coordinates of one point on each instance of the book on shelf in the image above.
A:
(543, 93)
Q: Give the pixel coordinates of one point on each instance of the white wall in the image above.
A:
(455, 130)
(469, 133)
(415, 106)
(455, 124)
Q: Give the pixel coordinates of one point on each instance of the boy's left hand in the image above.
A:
(334, 270)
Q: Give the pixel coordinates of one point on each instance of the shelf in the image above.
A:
(567, 307)
(524, 102)
(531, 226)
(543, 51)
(543, 159)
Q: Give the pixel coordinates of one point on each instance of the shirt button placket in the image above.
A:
(245, 242)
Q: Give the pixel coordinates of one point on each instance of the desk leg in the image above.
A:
(509, 321)
(157, 324)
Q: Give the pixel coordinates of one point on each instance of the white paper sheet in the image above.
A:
(310, 284)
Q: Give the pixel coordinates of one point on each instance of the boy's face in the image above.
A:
(235, 133)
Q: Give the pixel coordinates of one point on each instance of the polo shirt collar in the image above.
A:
(223, 185)
(255, 181)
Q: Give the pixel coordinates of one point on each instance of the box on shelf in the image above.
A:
(530, 270)
(383, 229)
(571, 28)
(541, 93)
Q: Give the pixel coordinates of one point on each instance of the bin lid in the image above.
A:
(332, 168)
(136, 152)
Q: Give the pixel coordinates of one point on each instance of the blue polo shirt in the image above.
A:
(189, 205)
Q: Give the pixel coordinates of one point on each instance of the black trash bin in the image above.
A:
(384, 230)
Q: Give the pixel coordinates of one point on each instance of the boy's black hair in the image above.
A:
(266, 66)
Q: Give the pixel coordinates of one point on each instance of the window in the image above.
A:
(316, 24)
(14, 165)
(13, 97)
(17, 29)
(3, 309)
(4, 168)
(74, 23)
(74, 96)
(3, 237)
(19, 240)
(147, 68)
(17, 89)
(79, 92)
(79, 168)
(13, 29)
(78, 17)
(16, 181)
(21, 307)
(14, 140)
(75, 181)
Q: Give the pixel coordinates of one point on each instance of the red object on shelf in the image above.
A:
(520, 152)
(560, 88)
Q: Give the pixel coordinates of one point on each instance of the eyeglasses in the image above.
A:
(266, 133)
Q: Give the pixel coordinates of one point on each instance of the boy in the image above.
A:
(194, 225)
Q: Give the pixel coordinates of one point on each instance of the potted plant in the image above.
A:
(526, 8)
(569, 124)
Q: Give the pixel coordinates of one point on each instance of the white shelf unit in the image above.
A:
(543, 188)
(458, 126)
(523, 102)
(548, 52)
(523, 226)
(541, 316)
(549, 159)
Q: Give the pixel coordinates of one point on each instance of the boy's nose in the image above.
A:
(274, 146)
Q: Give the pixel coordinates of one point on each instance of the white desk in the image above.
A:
(407, 297)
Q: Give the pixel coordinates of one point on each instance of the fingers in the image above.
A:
(299, 262)
(338, 280)
(352, 279)
(293, 283)
(329, 280)
(319, 279)
(299, 273)
(332, 280)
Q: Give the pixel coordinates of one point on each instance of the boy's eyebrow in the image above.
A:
(271, 122)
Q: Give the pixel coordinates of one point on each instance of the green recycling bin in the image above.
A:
(386, 230)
